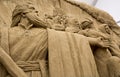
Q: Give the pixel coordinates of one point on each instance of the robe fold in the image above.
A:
(70, 55)
(27, 48)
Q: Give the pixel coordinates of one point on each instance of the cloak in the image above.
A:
(70, 55)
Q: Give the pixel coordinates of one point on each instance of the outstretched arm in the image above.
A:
(99, 42)
(10, 65)
(34, 19)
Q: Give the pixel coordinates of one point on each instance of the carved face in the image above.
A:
(104, 28)
(30, 9)
(72, 25)
(29, 15)
(21, 11)
(72, 22)
(107, 29)
(86, 24)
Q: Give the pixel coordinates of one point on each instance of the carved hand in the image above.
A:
(103, 43)
(100, 42)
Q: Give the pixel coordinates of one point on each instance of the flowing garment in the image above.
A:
(49, 53)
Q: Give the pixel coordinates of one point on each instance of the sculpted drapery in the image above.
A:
(29, 49)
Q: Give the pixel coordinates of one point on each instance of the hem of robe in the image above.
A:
(70, 55)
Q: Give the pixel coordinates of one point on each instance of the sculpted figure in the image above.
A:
(108, 57)
(115, 50)
(25, 52)
(30, 49)
(73, 26)
(113, 62)
(100, 54)
(27, 48)
(103, 31)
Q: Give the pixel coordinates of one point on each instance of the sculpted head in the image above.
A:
(87, 23)
(72, 25)
(105, 28)
(20, 12)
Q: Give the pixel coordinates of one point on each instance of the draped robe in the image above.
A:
(28, 48)
(69, 55)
